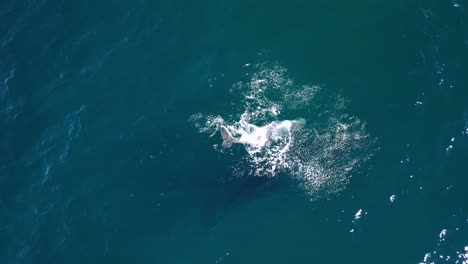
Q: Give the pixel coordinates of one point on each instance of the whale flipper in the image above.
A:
(228, 139)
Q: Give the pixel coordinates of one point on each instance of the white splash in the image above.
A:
(358, 214)
(442, 234)
(445, 253)
(319, 153)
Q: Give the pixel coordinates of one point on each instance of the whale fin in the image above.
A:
(228, 139)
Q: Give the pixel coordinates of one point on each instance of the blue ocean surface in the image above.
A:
(234, 131)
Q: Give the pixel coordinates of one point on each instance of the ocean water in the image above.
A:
(349, 126)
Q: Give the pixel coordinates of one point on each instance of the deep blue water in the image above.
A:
(107, 154)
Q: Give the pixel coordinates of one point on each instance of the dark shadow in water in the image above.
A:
(235, 193)
(219, 191)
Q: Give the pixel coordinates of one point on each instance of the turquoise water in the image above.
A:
(111, 151)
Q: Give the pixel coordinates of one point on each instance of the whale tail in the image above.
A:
(228, 139)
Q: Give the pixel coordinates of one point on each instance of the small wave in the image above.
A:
(319, 151)
(54, 145)
(10, 107)
(4, 88)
